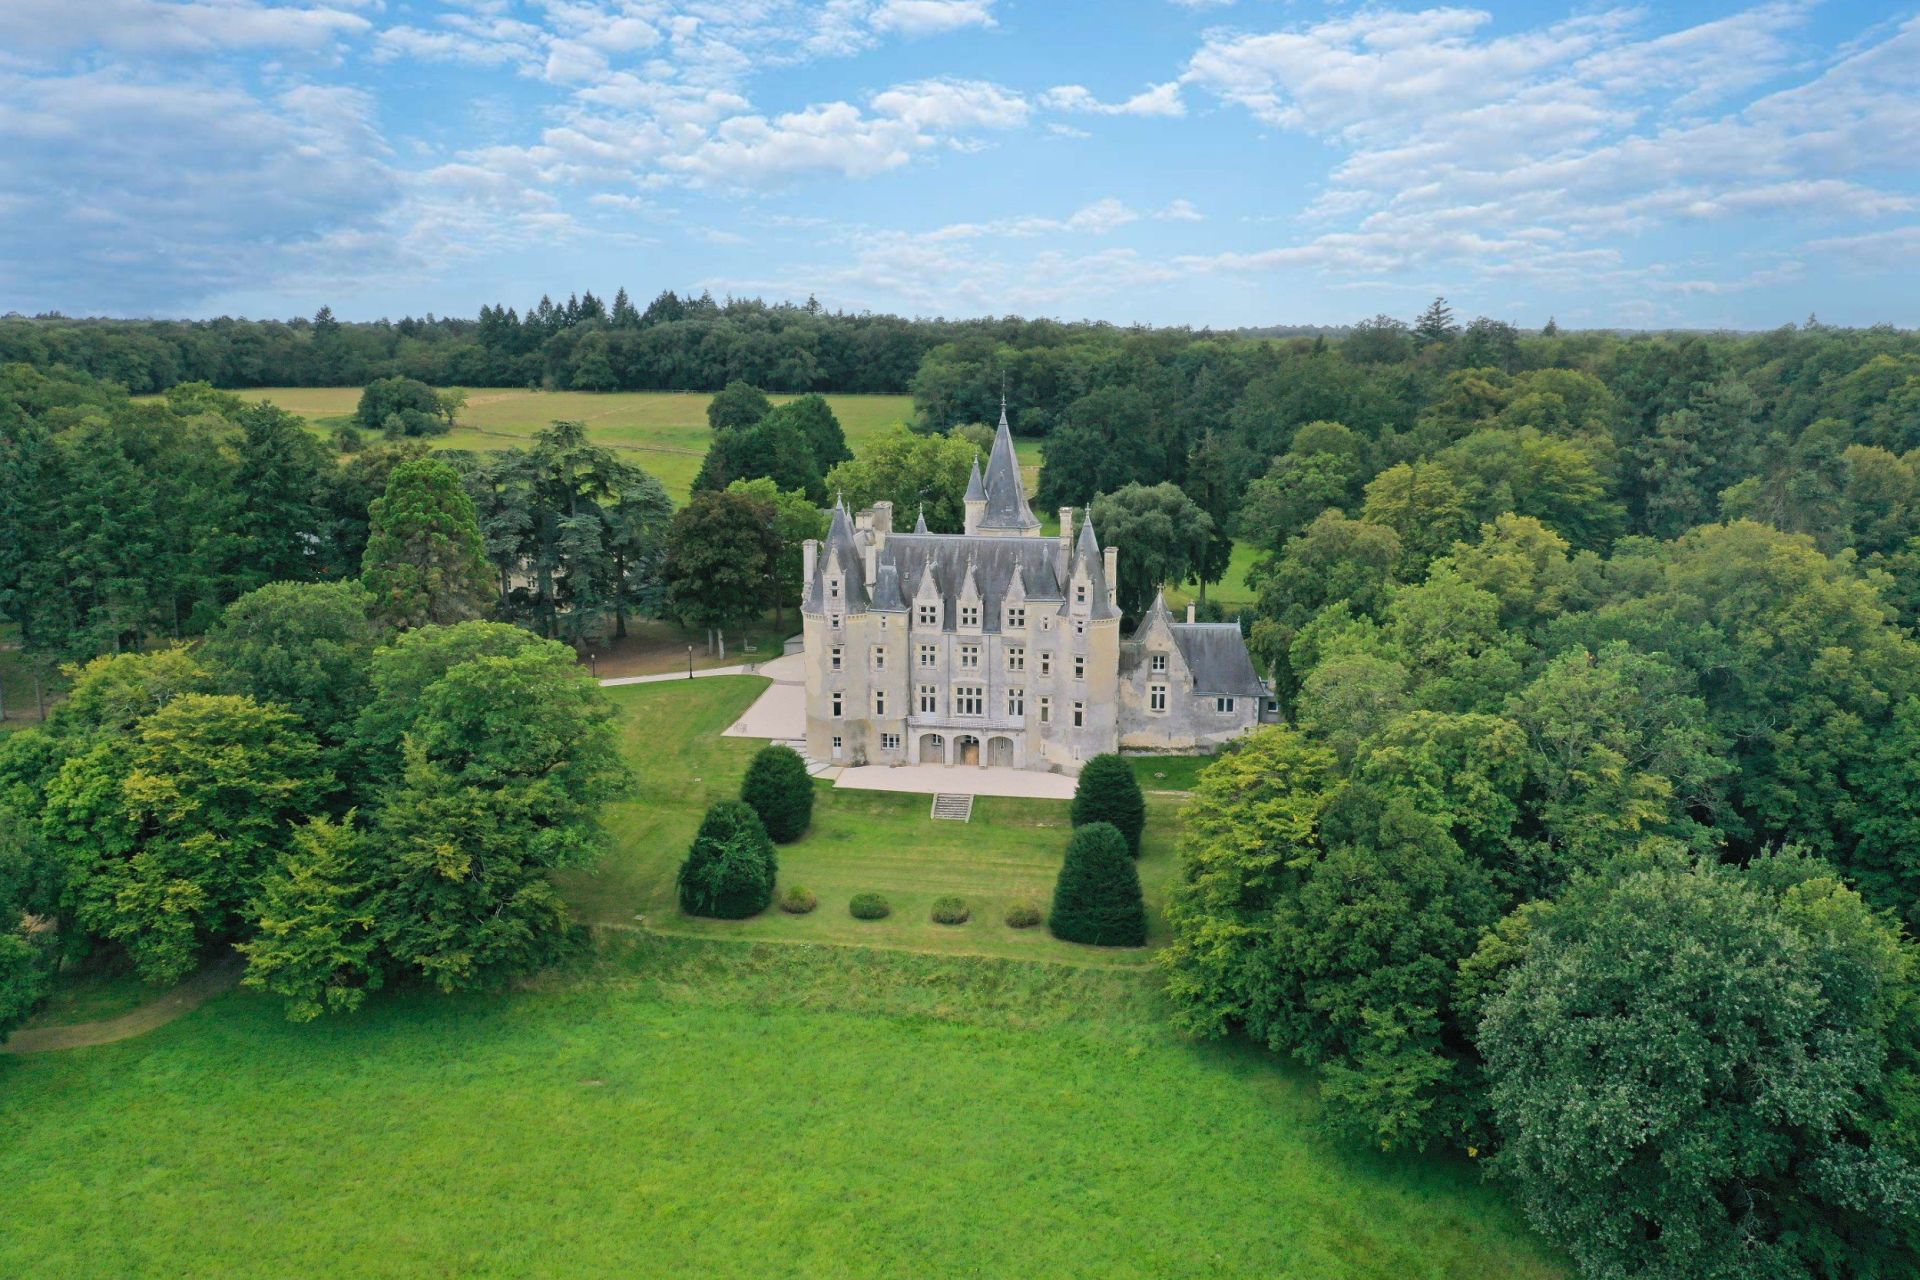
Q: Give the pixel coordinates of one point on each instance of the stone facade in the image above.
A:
(1000, 646)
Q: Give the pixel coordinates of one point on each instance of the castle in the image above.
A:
(1000, 646)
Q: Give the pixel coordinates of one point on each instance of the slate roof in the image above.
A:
(994, 560)
(840, 540)
(1087, 552)
(1006, 495)
(1216, 656)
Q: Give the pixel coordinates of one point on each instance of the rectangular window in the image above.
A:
(839, 704)
(1157, 697)
(969, 657)
(1079, 626)
(1079, 593)
(879, 658)
(1079, 666)
(969, 615)
(1159, 663)
(1079, 715)
(879, 702)
(834, 654)
(1046, 710)
(833, 588)
(1223, 706)
(929, 655)
(889, 742)
(929, 615)
(929, 700)
(1046, 663)
(1046, 624)
(1016, 658)
(1016, 617)
(969, 700)
(833, 620)
(1016, 702)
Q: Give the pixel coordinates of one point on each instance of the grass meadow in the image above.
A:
(685, 1107)
(933, 1103)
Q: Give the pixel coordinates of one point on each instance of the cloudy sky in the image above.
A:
(1166, 161)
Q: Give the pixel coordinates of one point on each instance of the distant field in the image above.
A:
(666, 431)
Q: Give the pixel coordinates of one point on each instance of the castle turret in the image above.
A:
(1005, 511)
(976, 499)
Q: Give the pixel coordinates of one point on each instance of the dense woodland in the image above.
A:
(1590, 845)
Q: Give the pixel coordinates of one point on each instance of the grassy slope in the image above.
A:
(860, 840)
(666, 430)
(698, 1108)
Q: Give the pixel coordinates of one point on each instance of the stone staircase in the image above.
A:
(953, 808)
(814, 767)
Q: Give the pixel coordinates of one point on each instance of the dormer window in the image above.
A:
(1016, 617)
(1079, 593)
(929, 615)
(1159, 663)
(833, 588)
(969, 615)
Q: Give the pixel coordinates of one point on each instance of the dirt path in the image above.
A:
(184, 998)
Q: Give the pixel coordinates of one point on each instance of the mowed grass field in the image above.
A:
(860, 841)
(686, 1107)
(665, 431)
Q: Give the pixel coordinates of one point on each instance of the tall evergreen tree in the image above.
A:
(423, 563)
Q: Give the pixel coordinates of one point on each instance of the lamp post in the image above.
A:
(689, 662)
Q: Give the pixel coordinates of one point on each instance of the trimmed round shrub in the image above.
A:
(797, 901)
(729, 871)
(778, 788)
(951, 909)
(1097, 899)
(868, 906)
(1108, 792)
(1023, 915)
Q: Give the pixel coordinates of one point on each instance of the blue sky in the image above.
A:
(1163, 161)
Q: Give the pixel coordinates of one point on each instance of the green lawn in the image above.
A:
(687, 1107)
(860, 840)
(666, 431)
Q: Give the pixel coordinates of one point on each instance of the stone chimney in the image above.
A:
(1189, 612)
(1112, 555)
(883, 517)
(810, 553)
(873, 563)
(1066, 542)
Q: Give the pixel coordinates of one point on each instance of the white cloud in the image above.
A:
(1158, 100)
(1537, 154)
(932, 17)
(953, 105)
(157, 27)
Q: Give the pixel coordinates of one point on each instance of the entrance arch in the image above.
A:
(933, 749)
(967, 749)
(1000, 751)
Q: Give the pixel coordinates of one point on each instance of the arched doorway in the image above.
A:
(933, 749)
(967, 749)
(1000, 751)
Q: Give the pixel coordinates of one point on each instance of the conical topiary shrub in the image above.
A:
(778, 788)
(1108, 792)
(1097, 899)
(730, 868)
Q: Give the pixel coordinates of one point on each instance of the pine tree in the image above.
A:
(1435, 323)
(423, 563)
(1108, 792)
(730, 868)
(1097, 898)
(778, 789)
